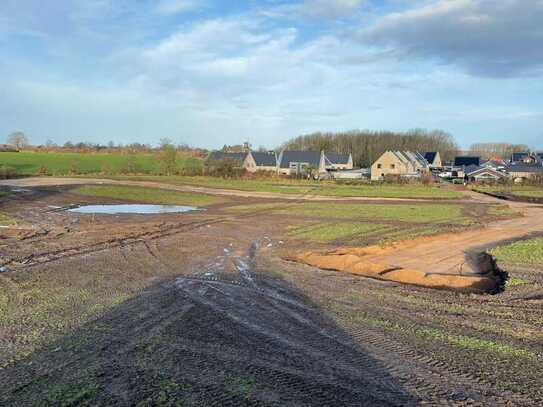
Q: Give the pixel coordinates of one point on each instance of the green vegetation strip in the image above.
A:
(55, 163)
(528, 252)
(531, 191)
(328, 232)
(146, 195)
(6, 220)
(460, 341)
(418, 213)
(324, 188)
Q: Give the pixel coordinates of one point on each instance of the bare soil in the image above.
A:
(200, 309)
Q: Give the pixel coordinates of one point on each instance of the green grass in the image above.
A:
(324, 188)
(418, 213)
(333, 231)
(29, 163)
(146, 195)
(527, 252)
(6, 220)
(459, 341)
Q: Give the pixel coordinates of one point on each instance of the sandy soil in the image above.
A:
(201, 310)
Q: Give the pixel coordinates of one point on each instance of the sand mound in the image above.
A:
(354, 261)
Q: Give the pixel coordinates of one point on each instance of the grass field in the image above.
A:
(146, 195)
(326, 232)
(527, 252)
(418, 213)
(324, 188)
(30, 163)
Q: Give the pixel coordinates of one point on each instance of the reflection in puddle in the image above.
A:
(132, 209)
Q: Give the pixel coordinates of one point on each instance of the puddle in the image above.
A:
(131, 209)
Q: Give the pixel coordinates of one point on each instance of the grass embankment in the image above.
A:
(526, 252)
(323, 188)
(55, 163)
(146, 195)
(528, 191)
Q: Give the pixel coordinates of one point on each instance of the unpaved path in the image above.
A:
(48, 182)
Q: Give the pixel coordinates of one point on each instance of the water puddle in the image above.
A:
(131, 209)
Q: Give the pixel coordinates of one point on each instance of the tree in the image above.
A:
(168, 159)
(18, 140)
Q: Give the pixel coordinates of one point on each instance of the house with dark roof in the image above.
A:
(298, 162)
(260, 161)
(474, 173)
(465, 161)
(522, 157)
(336, 161)
(519, 172)
(238, 158)
(433, 158)
(399, 163)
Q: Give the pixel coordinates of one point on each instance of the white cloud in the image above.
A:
(496, 38)
(178, 6)
(330, 8)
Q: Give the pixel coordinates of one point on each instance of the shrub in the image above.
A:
(41, 171)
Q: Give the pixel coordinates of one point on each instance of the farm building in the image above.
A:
(399, 163)
(434, 159)
(6, 148)
(260, 161)
(483, 174)
(297, 162)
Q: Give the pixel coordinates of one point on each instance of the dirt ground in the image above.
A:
(200, 309)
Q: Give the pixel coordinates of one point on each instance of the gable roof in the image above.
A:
(519, 156)
(430, 156)
(336, 158)
(473, 170)
(263, 159)
(310, 157)
(465, 161)
(220, 156)
(411, 157)
(532, 168)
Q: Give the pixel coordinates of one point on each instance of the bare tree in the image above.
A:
(18, 140)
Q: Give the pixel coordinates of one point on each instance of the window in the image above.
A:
(379, 166)
(392, 166)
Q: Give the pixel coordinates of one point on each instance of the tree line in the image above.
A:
(498, 150)
(367, 146)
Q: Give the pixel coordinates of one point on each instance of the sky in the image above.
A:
(214, 72)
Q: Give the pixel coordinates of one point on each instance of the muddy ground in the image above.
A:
(200, 309)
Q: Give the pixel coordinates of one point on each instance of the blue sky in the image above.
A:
(210, 72)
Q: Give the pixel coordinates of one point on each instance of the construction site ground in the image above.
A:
(202, 308)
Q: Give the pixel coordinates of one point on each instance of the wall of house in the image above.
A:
(387, 164)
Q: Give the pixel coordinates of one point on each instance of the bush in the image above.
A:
(41, 171)
(7, 172)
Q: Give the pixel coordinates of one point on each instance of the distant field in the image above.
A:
(527, 252)
(30, 163)
(146, 195)
(325, 188)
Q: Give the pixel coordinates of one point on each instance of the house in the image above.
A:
(495, 163)
(520, 172)
(335, 161)
(238, 158)
(465, 161)
(260, 161)
(524, 158)
(483, 174)
(399, 163)
(434, 159)
(297, 162)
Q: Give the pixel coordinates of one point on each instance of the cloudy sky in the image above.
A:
(210, 72)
